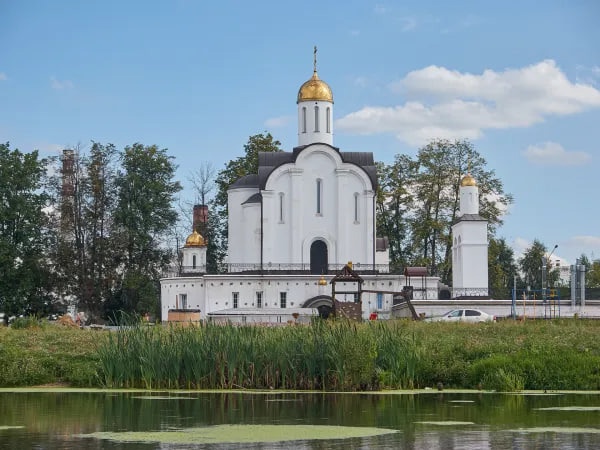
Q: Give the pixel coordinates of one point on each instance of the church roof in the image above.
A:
(269, 161)
(247, 181)
(254, 198)
(470, 218)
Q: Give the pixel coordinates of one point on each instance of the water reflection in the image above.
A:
(424, 420)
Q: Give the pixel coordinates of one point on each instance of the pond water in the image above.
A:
(33, 419)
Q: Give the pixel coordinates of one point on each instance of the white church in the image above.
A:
(304, 217)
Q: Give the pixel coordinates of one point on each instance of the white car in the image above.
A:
(467, 315)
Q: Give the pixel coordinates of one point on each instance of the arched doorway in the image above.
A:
(323, 303)
(318, 257)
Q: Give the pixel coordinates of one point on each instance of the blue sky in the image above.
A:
(521, 79)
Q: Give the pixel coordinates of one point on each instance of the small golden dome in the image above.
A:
(322, 281)
(195, 240)
(315, 89)
(468, 180)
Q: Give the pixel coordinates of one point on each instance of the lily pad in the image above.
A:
(10, 427)
(445, 422)
(568, 430)
(221, 434)
(570, 408)
(462, 401)
(162, 397)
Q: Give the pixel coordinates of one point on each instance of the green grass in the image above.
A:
(342, 356)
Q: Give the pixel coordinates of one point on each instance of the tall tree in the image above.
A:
(502, 268)
(234, 170)
(86, 253)
(394, 202)
(433, 187)
(23, 274)
(144, 215)
(531, 265)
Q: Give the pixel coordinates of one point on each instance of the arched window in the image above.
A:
(319, 196)
(281, 207)
(193, 261)
(304, 119)
(356, 207)
(328, 119)
(316, 119)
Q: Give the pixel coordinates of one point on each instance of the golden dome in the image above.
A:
(195, 240)
(322, 281)
(315, 89)
(468, 180)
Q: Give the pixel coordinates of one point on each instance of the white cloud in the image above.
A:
(59, 85)
(449, 104)
(408, 23)
(278, 122)
(3, 76)
(552, 153)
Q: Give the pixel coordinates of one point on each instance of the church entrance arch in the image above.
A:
(318, 257)
(323, 303)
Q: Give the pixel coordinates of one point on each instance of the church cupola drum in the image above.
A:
(315, 110)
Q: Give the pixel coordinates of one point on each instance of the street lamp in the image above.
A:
(545, 261)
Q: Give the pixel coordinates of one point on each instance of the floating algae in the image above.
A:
(570, 408)
(162, 397)
(445, 422)
(569, 430)
(221, 434)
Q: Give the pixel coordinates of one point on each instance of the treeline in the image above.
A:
(86, 229)
(97, 228)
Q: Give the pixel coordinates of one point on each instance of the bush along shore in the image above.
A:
(562, 354)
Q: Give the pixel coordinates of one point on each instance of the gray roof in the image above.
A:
(254, 198)
(470, 218)
(269, 161)
(248, 181)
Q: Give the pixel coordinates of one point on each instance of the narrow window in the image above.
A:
(194, 261)
(304, 119)
(355, 297)
(356, 207)
(282, 299)
(281, 207)
(259, 299)
(236, 299)
(380, 300)
(183, 301)
(319, 189)
(328, 119)
(316, 119)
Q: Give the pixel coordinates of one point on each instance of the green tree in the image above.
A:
(530, 265)
(85, 252)
(144, 216)
(502, 268)
(23, 273)
(432, 182)
(233, 170)
(394, 202)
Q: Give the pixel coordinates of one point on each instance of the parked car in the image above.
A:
(466, 315)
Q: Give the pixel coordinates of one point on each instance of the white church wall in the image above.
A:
(239, 233)
(213, 293)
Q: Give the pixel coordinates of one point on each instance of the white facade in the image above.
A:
(212, 295)
(317, 197)
(469, 245)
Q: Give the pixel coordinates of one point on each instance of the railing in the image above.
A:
(466, 293)
(281, 268)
